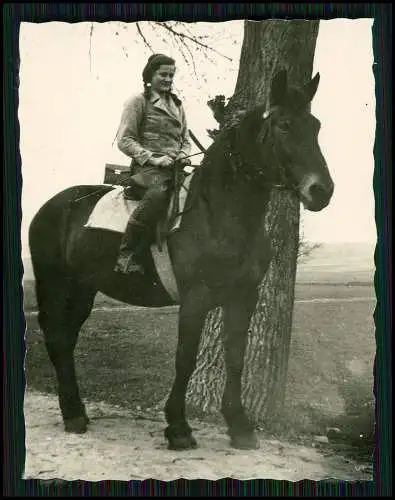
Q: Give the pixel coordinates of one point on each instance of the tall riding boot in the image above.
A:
(143, 218)
(128, 258)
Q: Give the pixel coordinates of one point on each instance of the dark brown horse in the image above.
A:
(220, 253)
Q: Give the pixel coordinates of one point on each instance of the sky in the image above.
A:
(72, 89)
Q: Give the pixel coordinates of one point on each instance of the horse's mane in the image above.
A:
(215, 169)
(218, 164)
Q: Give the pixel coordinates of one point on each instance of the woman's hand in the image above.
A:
(162, 161)
(183, 160)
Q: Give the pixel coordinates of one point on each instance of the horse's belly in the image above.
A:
(93, 255)
(134, 290)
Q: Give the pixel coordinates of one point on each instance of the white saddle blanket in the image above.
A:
(112, 212)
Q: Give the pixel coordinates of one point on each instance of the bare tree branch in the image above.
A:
(125, 51)
(185, 27)
(180, 38)
(180, 48)
(143, 37)
(208, 57)
(191, 38)
(90, 48)
(191, 56)
(182, 45)
(305, 249)
(154, 26)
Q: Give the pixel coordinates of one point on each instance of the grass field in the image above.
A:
(125, 356)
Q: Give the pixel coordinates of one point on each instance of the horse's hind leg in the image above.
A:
(237, 315)
(64, 305)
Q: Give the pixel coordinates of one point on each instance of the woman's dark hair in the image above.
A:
(154, 62)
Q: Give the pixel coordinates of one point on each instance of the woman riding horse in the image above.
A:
(154, 133)
(219, 254)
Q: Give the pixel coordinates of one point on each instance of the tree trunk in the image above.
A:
(268, 46)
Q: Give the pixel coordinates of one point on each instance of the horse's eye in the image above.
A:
(284, 126)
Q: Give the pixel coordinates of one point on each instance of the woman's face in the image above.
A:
(162, 79)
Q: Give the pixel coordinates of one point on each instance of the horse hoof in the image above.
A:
(182, 443)
(78, 425)
(246, 442)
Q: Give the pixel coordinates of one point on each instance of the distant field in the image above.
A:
(338, 263)
(362, 277)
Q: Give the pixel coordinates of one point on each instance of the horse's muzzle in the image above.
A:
(316, 195)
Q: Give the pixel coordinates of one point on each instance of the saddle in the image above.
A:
(113, 210)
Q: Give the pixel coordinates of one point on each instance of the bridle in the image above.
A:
(257, 173)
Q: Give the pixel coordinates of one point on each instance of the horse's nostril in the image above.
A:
(315, 190)
(331, 189)
(319, 193)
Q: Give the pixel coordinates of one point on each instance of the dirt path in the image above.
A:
(122, 446)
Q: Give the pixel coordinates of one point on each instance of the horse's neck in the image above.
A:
(234, 206)
(239, 208)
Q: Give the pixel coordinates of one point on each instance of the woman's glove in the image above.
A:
(183, 160)
(162, 161)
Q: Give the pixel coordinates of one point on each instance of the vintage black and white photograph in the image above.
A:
(198, 236)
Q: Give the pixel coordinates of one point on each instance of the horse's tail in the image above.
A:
(48, 236)
(50, 228)
(47, 239)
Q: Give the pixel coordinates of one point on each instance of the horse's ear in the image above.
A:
(278, 88)
(310, 88)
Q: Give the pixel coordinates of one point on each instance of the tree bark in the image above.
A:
(268, 46)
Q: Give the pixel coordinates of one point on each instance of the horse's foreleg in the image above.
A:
(193, 311)
(237, 314)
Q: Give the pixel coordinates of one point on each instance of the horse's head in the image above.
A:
(286, 152)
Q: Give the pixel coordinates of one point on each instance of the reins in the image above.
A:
(177, 174)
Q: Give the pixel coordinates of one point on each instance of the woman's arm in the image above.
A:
(128, 131)
(186, 143)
